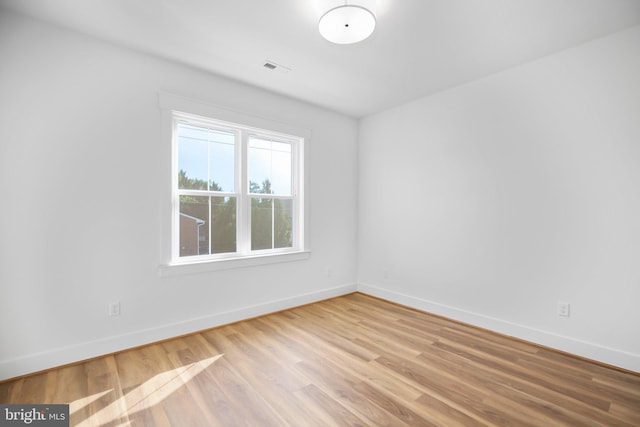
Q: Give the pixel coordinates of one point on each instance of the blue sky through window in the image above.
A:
(270, 160)
(209, 155)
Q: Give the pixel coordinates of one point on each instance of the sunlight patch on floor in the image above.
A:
(76, 405)
(146, 395)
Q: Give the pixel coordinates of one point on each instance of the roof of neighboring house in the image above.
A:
(197, 220)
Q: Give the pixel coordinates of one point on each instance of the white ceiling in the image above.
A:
(419, 47)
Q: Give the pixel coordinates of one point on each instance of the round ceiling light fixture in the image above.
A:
(347, 24)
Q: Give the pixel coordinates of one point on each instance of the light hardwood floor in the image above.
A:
(349, 361)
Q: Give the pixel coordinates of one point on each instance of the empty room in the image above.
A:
(320, 213)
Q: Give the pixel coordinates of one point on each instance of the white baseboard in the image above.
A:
(70, 354)
(596, 352)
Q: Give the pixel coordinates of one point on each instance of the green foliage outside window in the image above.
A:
(271, 223)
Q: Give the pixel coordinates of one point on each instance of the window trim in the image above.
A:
(172, 106)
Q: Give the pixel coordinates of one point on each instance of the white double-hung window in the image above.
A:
(237, 191)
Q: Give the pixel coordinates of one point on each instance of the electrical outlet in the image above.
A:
(114, 309)
(563, 309)
(329, 272)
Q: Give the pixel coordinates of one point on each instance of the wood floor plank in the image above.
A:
(485, 374)
(104, 403)
(459, 393)
(539, 378)
(445, 414)
(271, 380)
(365, 372)
(525, 396)
(354, 360)
(329, 411)
(342, 389)
(391, 405)
(243, 403)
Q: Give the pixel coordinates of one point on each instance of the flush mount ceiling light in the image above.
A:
(347, 24)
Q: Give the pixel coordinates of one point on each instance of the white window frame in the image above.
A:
(177, 109)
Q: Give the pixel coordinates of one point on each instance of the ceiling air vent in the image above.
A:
(270, 65)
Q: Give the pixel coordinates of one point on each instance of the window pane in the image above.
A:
(282, 223)
(207, 225)
(261, 224)
(206, 158)
(193, 169)
(223, 229)
(271, 223)
(194, 225)
(222, 153)
(269, 164)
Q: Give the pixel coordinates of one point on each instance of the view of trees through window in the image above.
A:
(209, 209)
(207, 224)
(271, 219)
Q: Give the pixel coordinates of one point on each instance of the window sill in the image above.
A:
(179, 269)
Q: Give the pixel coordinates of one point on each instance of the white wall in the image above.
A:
(82, 170)
(493, 201)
